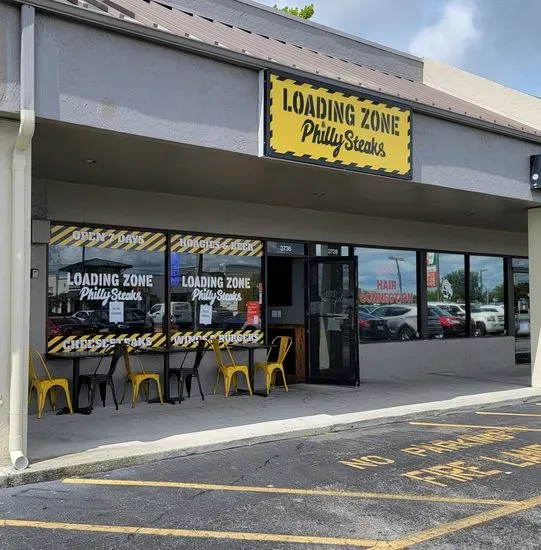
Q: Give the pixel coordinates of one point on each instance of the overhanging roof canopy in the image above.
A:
(268, 51)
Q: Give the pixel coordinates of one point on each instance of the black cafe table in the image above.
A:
(166, 352)
(75, 357)
(251, 349)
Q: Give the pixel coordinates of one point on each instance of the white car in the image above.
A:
(181, 312)
(83, 315)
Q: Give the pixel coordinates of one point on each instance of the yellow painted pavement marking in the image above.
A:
(193, 533)
(465, 523)
(505, 414)
(477, 426)
(287, 491)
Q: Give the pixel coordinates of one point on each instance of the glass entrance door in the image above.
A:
(333, 347)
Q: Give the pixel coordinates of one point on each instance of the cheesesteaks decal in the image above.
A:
(310, 123)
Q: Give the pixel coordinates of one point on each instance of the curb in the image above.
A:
(286, 429)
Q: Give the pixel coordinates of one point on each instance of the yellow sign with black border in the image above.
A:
(310, 123)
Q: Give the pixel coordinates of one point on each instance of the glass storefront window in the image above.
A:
(387, 294)
(103, 285)
(216, 289)
(446, 293)
(487, 295)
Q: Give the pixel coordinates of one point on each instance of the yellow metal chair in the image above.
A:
(230, 371)
(271, 368)
(138, 378)
(45, 386)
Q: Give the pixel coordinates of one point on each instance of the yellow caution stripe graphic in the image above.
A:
(103, 343)
(96, 237)
(189, 339)
(199, 244)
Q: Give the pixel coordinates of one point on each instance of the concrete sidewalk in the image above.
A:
(78, 444)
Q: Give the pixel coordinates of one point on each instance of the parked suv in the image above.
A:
(402, 321)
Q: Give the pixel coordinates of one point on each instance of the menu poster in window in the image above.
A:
(253, 315)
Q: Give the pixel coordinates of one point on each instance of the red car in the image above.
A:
(451, 325)
(65, 326)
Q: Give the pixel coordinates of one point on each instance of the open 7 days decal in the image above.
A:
(310, 123)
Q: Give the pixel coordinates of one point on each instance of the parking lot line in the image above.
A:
(478, 427)
(465, 523)
(506, 414)
(193, 533)
(287, 491)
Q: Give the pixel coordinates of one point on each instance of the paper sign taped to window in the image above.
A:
(205, 314)
(116, 312)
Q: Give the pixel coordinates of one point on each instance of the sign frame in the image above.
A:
(270, 152)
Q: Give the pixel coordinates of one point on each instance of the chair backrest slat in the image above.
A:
(32, 369)
(283, 347)
(118, 352)
(199, 353)
(126, 355)
(216, 346)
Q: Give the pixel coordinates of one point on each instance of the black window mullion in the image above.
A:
(469, 331)
(167, 313)
(422, 295)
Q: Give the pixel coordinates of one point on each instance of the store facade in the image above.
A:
(244, 201)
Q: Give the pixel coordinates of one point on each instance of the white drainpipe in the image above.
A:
(20, 246)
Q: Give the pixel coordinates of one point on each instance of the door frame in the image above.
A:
(356, 378)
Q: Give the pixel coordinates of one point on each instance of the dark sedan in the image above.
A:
(135, 321)
(373, 328)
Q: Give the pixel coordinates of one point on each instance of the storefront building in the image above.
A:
(187, 178)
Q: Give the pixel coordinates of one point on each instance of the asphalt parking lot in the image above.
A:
(468, 480)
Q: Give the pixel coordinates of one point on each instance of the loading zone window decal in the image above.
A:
(310, 123)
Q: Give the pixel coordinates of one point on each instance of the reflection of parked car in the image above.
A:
(65, 326)
(135, 320)
(181, 312)
(373, 328)
(367, 309)
(490, 322)
(451, 325)
(237, 322)
(83, 315)
(402, 320)
(483, 322)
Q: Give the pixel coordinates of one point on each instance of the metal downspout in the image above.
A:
(20, 246)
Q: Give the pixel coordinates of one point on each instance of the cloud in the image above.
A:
(449, 38)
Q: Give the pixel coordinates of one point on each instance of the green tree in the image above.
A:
(304, 13)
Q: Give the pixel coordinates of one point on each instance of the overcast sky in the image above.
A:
(497, 39)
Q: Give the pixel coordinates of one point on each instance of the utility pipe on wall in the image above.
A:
(20, 245)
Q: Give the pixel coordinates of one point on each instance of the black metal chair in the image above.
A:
(184, 374)
(102, 380)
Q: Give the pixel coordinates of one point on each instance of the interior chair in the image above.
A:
(229, 371)
(45, 386)
(271, 368)
(138, 378)
(186, 374)
(102, 380)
